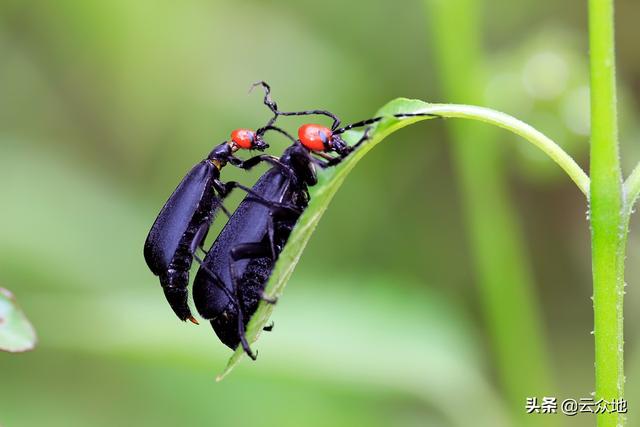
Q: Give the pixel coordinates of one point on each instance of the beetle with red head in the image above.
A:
(183, 222)
(231, 278)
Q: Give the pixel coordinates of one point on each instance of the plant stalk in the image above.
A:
(609, 217)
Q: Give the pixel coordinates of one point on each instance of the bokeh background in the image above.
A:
(449, 279)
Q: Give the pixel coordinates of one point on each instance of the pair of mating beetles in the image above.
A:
(230, 281)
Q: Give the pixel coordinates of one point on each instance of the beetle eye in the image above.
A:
(314, 137)
(323, 136)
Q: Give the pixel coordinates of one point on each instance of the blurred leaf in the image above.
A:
(327, 334)
(330, 181)
(16, 333)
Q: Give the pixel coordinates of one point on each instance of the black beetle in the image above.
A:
(183, 222)
(231, 279)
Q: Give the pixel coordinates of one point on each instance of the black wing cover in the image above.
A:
(193, 202)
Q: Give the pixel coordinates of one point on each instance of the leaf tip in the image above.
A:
(17, 335)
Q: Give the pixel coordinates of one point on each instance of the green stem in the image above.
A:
(528, 132)
(608, 213)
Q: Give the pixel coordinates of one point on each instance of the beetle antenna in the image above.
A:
(271, 104)
(268, 101)
(377, 119)
(357, 125)
(263, 130)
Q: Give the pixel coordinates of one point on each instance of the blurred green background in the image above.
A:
(400, 310)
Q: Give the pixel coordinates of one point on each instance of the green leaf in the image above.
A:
(330, 181)
(16, 333)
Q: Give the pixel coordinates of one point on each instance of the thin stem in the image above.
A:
(505, 121)
(608, 222)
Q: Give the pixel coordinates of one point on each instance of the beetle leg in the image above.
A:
(254, 250)
(199, 236)
(217, 281)
(223, 191)
(321, 163)
(262, 249)
(363, 138)
(225, 210)
(229, 186)
(269, 327)
(252, 162)
(237, 290)
(270, 300)
(332, 161)
(277, 214)
(253, 195)
(275, 206)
